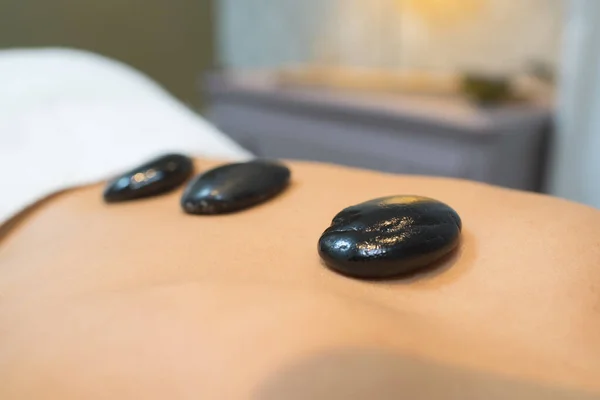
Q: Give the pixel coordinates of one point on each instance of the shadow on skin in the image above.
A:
(371, 374)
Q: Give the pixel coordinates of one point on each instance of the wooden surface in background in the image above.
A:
(170, 40)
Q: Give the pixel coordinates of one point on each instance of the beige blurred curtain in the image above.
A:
(575, 163)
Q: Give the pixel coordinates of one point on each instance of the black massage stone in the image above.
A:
(234, 187)
(389, 237)
(155, 177)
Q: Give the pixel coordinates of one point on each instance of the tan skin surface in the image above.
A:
(141, 301)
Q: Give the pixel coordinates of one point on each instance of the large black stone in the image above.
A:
(234, 187)
(155, 177)
(389, 237)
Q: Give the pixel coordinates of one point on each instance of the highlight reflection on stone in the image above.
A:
(234, 187)
(155, 177)
(389, 237)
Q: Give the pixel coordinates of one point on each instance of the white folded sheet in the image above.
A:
(69, 118)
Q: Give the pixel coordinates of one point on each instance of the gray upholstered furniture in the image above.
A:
(387, 132)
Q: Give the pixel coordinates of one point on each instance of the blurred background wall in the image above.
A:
(268, 33)
(575, 167)
(175, 41)
(496, 36)
(170, 40)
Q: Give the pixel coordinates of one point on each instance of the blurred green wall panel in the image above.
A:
(170, 40)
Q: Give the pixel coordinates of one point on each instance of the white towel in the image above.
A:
(69, 118)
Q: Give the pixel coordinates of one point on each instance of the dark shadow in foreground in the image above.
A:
(363, 374)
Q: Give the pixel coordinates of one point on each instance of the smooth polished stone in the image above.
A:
(158, 176)
(234, 187)
(389, 237)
